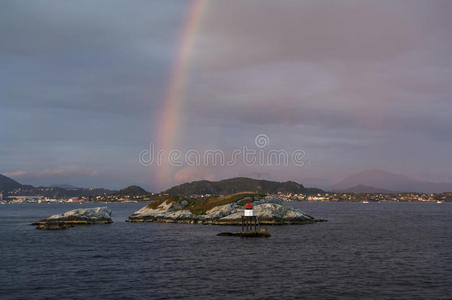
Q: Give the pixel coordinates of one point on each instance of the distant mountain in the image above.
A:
(318, 182)
(13, 188)
(57, 192)
(65, 186)
(132, 190)
(7, 184)
(239, 184)
(392, 182)
(360, 188)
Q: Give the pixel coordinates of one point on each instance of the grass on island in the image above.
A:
(202, 205)
(168, 199)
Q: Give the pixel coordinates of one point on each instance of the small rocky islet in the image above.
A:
(76, 217)
(220, 210)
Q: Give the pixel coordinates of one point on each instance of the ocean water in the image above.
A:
(375, 250)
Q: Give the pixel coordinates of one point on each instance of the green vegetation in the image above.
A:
(202, 205)
(168, 199)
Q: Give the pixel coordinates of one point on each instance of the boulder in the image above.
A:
(222, 211)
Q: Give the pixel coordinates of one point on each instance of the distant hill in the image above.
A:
(7, 184)
(360, 188)
(57, 192)
(237, 185)
(12, 188)
(392, 182)
(65, 186)
(132, 190)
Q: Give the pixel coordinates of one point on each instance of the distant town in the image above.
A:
(56, 195)
(369, 197)
(14, 192)
(289, 197)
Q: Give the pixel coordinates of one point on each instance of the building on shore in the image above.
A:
(21, 199)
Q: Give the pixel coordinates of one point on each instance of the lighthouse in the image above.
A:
(249, 220)
(248, 212)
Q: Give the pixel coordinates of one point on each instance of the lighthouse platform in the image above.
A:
(250, 233)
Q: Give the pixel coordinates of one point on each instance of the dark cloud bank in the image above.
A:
(356, 84)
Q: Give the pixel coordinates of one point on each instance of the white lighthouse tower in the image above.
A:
(248, 212)
(249, 220)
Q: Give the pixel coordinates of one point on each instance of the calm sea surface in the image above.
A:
(375, 250)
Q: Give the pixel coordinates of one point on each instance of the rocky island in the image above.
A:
(81, 216)
(220, 210)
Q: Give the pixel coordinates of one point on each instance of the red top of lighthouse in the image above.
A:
(248, 206)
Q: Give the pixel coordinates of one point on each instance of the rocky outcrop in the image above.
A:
(269, 213)
(269, 210)
(81, 216)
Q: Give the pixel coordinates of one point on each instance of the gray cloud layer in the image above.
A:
(356, 84)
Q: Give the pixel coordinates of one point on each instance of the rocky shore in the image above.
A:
(269, 210)
(76, 217)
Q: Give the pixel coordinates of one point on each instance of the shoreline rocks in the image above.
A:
(76, 217)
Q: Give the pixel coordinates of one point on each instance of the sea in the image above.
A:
(385, 250)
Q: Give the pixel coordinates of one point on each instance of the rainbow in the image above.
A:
(168, 124)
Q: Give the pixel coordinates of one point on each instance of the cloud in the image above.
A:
(17, 173)
(314, 31)
(48, 177)
(357, 84)
(52, 173)
(84, 29)
(358, 66)
(193, 173)
(62, 172)
(85, 57)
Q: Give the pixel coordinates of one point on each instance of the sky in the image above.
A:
(354, 85)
